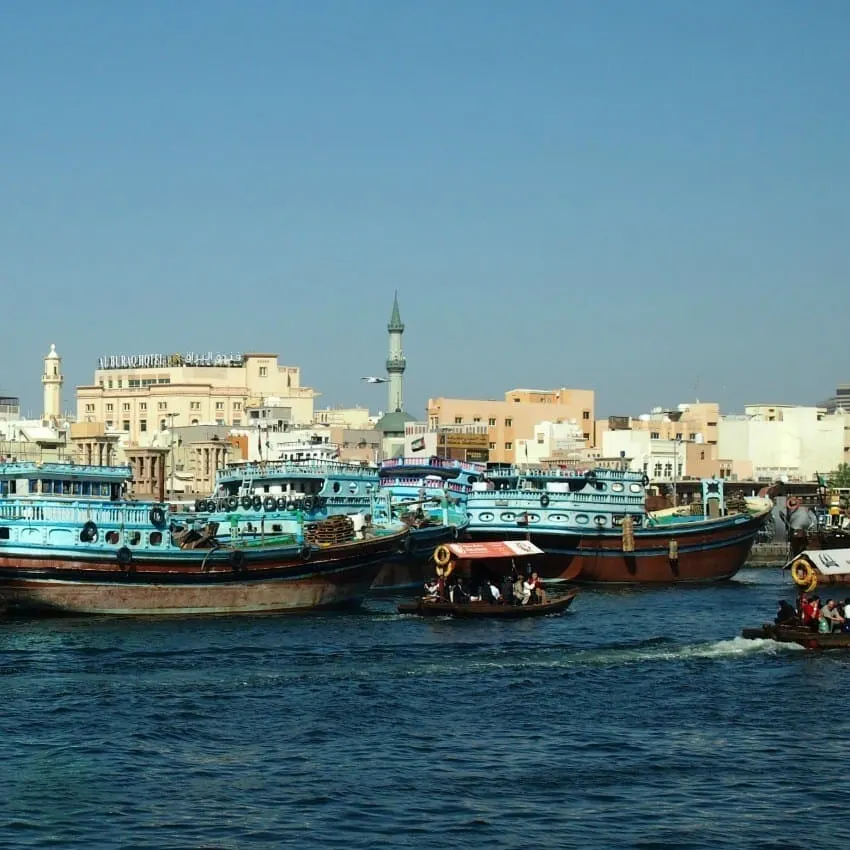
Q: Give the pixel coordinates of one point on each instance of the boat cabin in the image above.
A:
(30, 480)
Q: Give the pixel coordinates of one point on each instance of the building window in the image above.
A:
(540, 439)
(237, 405)
(508, 446)
(586, 435)
(89, 408)
(458, 420)
(194, 405)
(143, 425)
(161, 424)
(109, 383)
(125, 425)
(108, 423)
(194, 421)
(109, 408)
(702, 455)
(509, 423)
(492, 446)
(219, 405)
(237, 423)
(585, 414)
(143, 405)
(120, 382)
(125, 406)
(264, 371)
(162, 405)
(654, 435)
(668, 469)
(491, 422)
(476, 418)
(679, 435)
(657, 471)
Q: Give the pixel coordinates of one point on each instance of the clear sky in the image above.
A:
(649, 199)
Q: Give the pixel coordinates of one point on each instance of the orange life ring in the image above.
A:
(792, 503)
(442, 555)
(804, 575)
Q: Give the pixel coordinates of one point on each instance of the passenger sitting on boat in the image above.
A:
(508, 590)
(495, 593)
(846, 612)
(432, 588)
(786, 615)
(830, 620)
(538, 594)
(811, 612)
(458, 594)
(519, 592)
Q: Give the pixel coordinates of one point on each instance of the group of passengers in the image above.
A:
(831, 616)
(515, 589)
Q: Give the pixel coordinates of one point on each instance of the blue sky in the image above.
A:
(649, 199)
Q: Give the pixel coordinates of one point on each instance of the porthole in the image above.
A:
(582, 519)
(508, 516)
(558, 517)
(155, 538)
(112, 537)
(635, 488)
(599, 521)
(352, 488)
(336, 487)
(134, 538)
(485, 517)
(533, 517)
(617, 487)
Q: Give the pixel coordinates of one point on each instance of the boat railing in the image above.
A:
(79, 470)
(555, 497)
(105, 513)
(314, 466)
(436, 462)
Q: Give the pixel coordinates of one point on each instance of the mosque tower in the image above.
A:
(395, 362)
(52, 381)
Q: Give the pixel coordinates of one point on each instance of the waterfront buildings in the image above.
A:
(514, 418)
(139, 394)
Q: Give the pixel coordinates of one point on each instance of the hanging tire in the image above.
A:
(544, 501)
(269, 503)
(89, 532)
(290, 505)
(306, 552)
(309, 503)
(257, 503)
(232, 503)
(157, 516)
(125, 557)
(237, 560)
(199, 506)
(280, 504)
(245, 502)
(644, 480)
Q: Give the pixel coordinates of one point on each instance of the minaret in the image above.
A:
(52, 381)
(396, 361)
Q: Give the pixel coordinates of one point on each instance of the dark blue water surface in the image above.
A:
(637, 719)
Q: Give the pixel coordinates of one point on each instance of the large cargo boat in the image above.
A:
(594, 527)
(69, 543)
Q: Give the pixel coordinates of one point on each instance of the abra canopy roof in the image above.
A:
(830, 562)
(494, 549)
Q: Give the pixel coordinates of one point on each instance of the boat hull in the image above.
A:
(703, 552)
(486, 610)
(801, 636)
(331, 577)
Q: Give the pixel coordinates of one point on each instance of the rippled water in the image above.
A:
(638, 719)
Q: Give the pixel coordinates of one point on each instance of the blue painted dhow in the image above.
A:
(84, 549)
(594, 527)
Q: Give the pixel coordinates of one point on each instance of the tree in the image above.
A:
(841, 476)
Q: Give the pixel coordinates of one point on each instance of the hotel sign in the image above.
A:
(465, 441)
(161, 361)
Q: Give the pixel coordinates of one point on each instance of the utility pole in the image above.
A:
(171, 417)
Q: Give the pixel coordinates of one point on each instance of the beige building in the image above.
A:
(514, 418)
(696, 423)
(344, 417)
(142, 394)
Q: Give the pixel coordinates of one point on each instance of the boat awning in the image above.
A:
(494, 549)
(830, 562)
